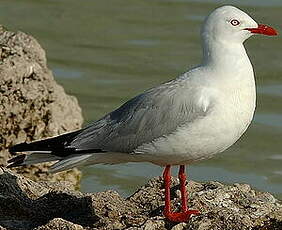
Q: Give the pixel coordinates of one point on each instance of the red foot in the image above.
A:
(185, 213)
(180, 216)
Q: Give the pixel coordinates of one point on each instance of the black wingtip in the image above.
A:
(19, 147)
(16, 161)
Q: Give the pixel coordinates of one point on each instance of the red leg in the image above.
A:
(185, 213)
(182, 180)
(167, 182)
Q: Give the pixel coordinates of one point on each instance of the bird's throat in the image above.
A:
(225, 57)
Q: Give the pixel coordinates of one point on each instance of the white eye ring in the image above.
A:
(234, 22)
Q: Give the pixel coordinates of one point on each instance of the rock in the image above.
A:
(154, 224)
(179, 226)
(60, 224)
(32, 104)
(26, 204)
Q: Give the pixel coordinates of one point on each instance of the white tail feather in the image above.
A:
(70, 162)
(39, 157)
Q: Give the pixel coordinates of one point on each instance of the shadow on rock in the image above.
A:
(26, 204)
(70, 207)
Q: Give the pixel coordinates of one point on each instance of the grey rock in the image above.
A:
(26, 204)
(60, 224)
(180, 226)
(32, 104)
(153, 224)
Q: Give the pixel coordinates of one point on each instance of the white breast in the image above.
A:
(229, 118)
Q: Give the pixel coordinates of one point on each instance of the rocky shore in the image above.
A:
(34, 106)
(26, 204)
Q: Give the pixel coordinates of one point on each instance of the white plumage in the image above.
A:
(190, 118)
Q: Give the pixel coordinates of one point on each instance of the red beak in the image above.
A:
(263, 29)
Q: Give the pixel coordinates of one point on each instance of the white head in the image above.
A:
(228, 23)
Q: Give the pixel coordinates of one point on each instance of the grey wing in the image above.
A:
(152, 114)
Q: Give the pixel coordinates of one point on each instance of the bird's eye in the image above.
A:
(234, 22)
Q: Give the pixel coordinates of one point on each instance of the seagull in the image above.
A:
(190, 118)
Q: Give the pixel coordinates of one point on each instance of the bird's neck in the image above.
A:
(223, 56)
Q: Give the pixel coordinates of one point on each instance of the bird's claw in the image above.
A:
(180, 216)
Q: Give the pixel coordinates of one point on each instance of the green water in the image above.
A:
(105, 52)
